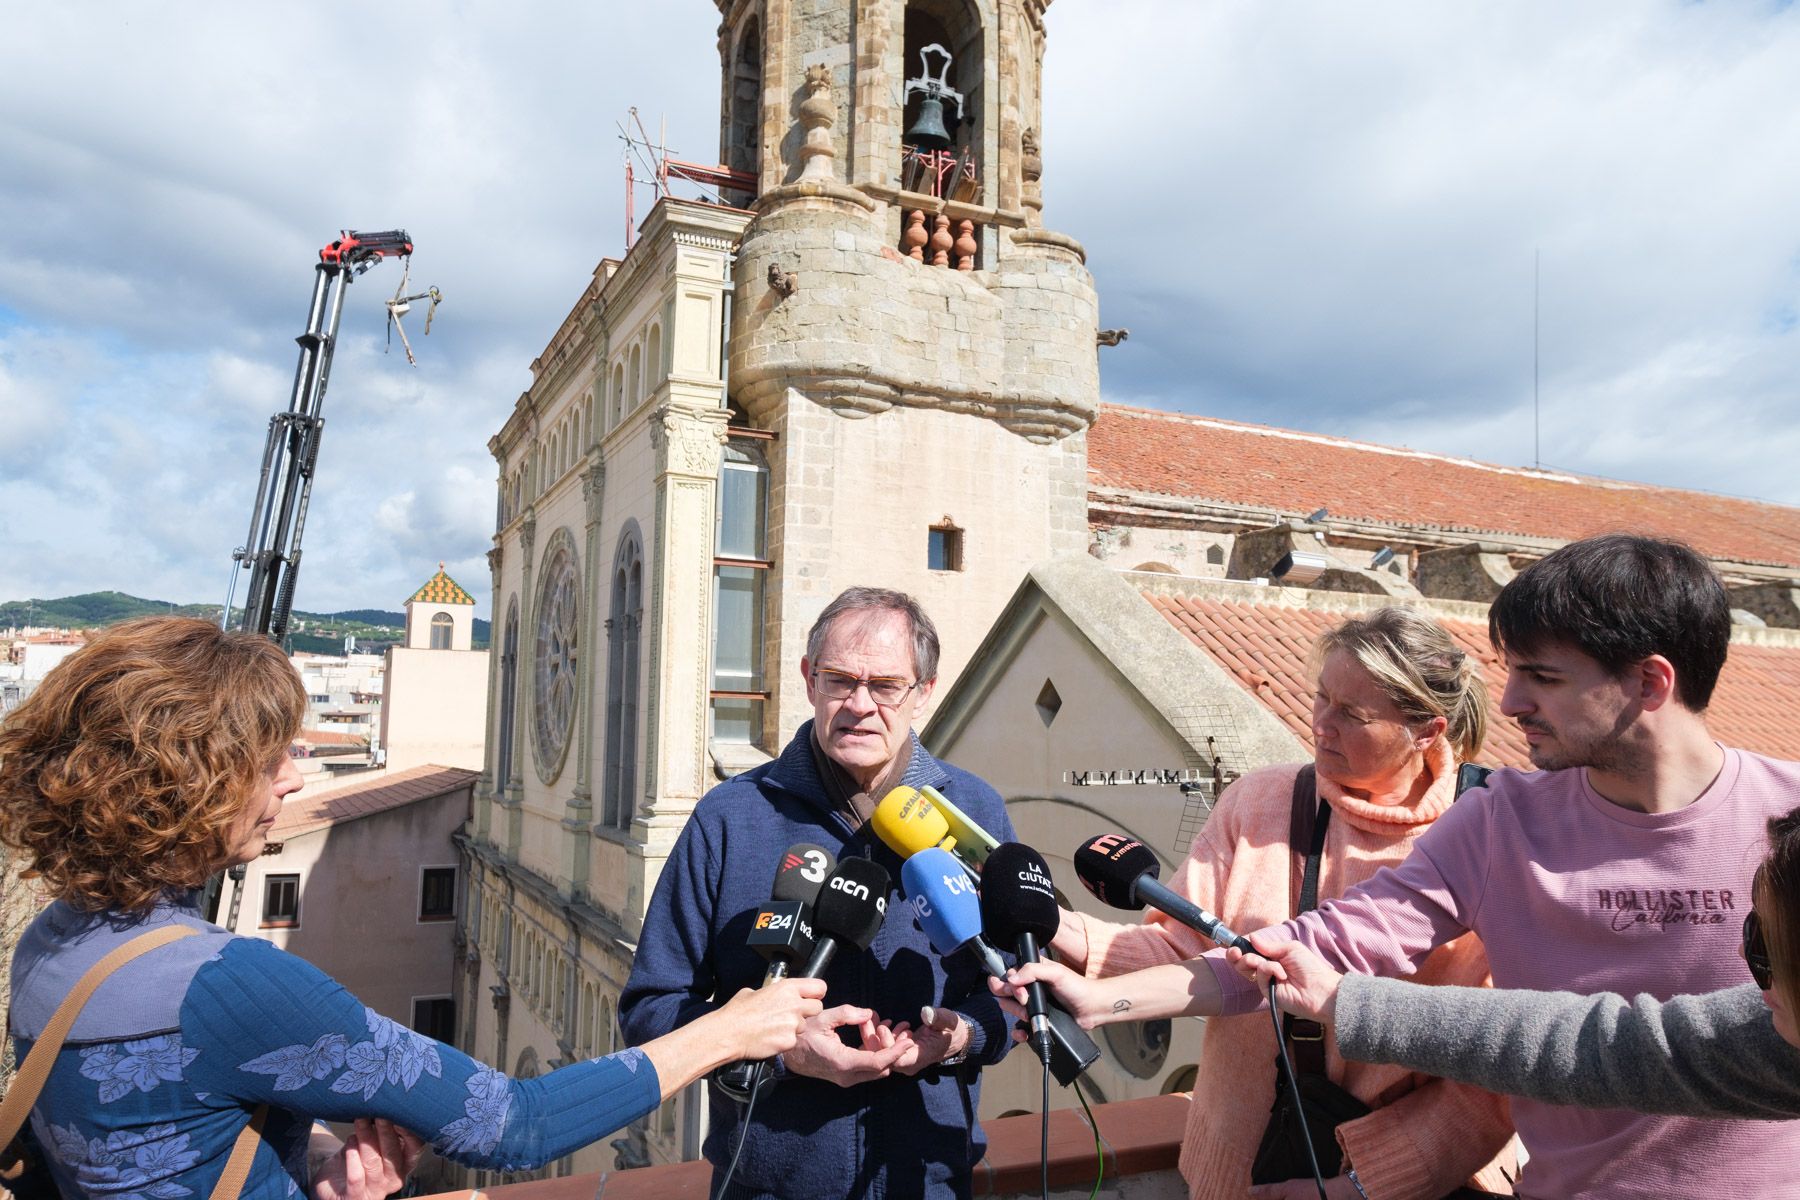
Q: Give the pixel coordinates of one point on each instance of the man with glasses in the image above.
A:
(879, 1097)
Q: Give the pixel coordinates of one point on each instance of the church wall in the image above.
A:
(853, 501)
(1102, 723)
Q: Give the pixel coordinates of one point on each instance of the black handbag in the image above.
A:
(1282, 1154)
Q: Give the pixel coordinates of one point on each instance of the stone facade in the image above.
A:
(898, 420)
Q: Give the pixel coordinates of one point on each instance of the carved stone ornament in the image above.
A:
(1032, 164)
(1031, 174)
(818, 112)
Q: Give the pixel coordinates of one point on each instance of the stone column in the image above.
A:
(523, 703)
(578, 820)
(688, 440)
(485, 787)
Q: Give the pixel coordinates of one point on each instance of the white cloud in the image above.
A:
(1313, 215)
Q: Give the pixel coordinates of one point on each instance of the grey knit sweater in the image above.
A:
(1716, 1055)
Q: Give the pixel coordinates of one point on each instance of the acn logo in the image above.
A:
(849, 887)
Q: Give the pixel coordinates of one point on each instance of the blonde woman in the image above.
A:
(1397, 706)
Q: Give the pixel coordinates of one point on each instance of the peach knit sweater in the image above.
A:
(1426, 1135)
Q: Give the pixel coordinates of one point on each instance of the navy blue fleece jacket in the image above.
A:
(904, 1135)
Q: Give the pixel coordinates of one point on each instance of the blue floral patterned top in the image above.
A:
(161, 1072)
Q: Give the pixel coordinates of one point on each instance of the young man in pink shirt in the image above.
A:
(1623, 865)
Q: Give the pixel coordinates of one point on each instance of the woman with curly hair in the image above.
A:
(152, 758)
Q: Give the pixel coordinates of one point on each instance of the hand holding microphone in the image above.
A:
(848, 914)
(1122, 871)
(1018, 907)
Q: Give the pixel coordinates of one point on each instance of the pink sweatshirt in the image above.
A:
(1571, 892)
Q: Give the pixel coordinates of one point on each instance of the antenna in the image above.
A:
(1537, 457)
(1214, 758)
(659, 169)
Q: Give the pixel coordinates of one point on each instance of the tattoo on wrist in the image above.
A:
(1120, 1006)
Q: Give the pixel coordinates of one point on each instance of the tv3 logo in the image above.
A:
(812, 865)
(774, 920)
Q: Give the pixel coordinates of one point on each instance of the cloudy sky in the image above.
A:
(1316, 215)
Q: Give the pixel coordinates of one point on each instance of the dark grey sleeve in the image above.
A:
(1716, 1055)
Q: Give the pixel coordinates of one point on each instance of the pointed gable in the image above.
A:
(441, 589)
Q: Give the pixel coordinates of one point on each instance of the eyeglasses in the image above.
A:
(1756, 952)
(883, 690)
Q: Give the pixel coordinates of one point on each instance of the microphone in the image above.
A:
(975, 842)
(909, 822)
(1018, 905)
(1122, 871)
(949, 910)
(950, 913)
(849, 911)
(782, 932)
(782, 929)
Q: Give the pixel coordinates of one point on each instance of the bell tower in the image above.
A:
(920, 347)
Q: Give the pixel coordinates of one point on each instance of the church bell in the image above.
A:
(928, 132)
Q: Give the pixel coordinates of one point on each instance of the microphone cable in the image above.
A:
(743, 1136)
(1044, 1138)
(1287, 1067)
(1099, 1150)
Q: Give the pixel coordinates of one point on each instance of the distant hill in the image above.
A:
(374, 629)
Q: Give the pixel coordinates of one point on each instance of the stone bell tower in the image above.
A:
(920, 347)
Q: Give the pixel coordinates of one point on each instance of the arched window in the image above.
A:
(741, 566)
(637, 377)
(622, 635)
(442, 627)
(954, 25)
(618, 395)
(742, 150)
(653, 360)
(509, 695)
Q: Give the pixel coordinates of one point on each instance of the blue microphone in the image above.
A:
(949, 910)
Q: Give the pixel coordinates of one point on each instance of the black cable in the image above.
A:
(1294, 1091)
(756, 1086)
(1044, 1137)
(1099, 1152)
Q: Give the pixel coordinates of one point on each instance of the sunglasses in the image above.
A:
(1756, 952)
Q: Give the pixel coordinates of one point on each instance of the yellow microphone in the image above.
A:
(972, 841)
(909, 822)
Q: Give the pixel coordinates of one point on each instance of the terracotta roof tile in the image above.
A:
(1758, 686)
(1174, 454)
(304, 814)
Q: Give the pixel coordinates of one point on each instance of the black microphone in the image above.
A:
(848, 912)
(782, 930)
(1121, 871)
(1018, 907)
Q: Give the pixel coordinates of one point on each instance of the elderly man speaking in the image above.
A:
(879, 1097)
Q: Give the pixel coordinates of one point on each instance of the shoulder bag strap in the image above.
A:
(237, 1167)
(1307, 827)
(29, 1082)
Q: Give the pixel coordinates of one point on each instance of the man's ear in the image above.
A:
(1655, 680)
(806, 678)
